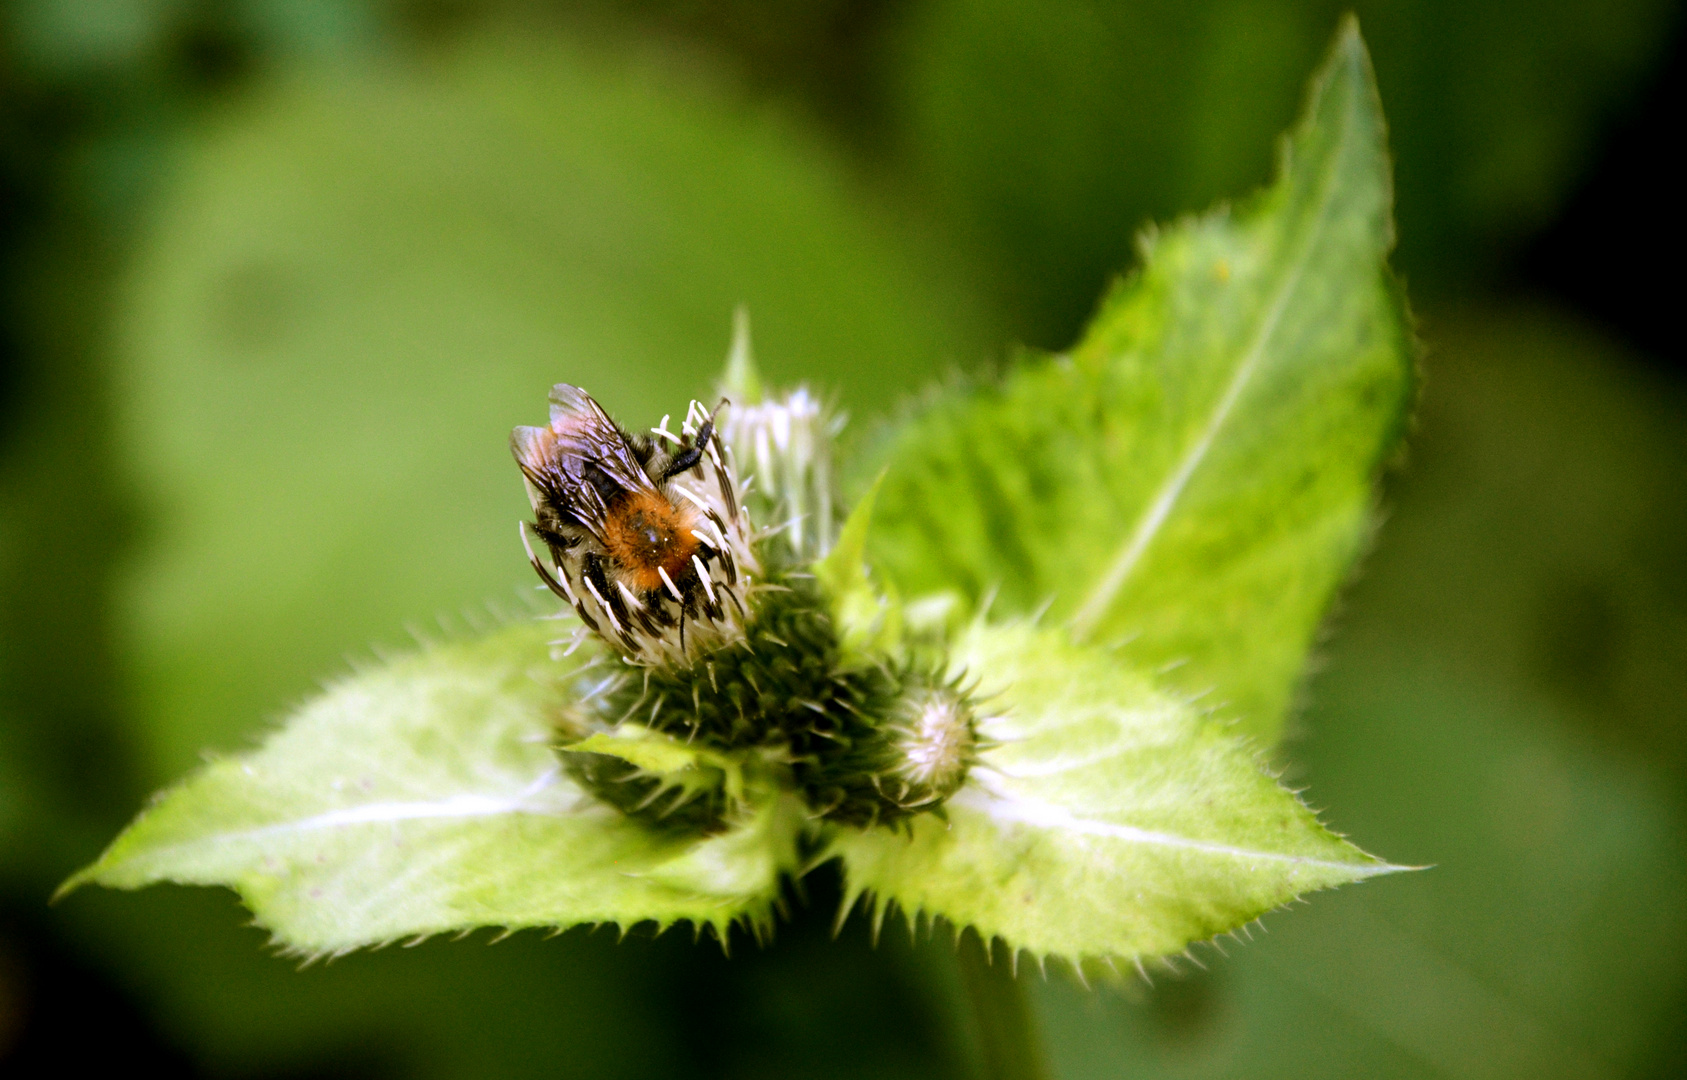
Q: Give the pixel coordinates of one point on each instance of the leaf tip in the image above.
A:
(1382, 868)
(70, 885)
(843, 565)
(1348, 39)
(1348, 58)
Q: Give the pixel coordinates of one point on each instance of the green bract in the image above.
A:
(1161, 518)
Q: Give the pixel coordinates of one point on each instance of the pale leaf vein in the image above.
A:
(1165, 500)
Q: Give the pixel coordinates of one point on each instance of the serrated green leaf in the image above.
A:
(424, 797)
(1193, 481)
(1109, 821)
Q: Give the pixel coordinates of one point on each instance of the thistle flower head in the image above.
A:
(737, 640)
(783, 443)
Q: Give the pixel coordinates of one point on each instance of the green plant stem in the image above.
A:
(1007, 1036)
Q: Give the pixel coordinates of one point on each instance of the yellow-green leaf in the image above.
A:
(424, 797)
(1192, 482)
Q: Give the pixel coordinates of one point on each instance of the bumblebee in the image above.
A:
(646, 534)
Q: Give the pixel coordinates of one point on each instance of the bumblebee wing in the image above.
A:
(533, 449)
(580, 465)
(583, 429)
(570, 403)
(557, 478)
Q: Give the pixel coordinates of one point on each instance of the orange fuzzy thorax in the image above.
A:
(645, 535)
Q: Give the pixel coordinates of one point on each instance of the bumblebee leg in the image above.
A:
(688, 458)
(683, 461)
(608, 600)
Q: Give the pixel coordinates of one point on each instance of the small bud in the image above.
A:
(913, 742)
(936, 740)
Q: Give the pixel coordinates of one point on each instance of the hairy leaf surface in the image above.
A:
(424, 797)
(1193, 481)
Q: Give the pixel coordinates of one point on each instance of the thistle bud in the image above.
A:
(913, 738)
(785, 443)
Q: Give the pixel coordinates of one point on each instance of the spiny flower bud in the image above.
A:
(778, 676)
(913, 738)
(785, 444)
(936, 739)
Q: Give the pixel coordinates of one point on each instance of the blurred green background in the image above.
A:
(276, 278)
